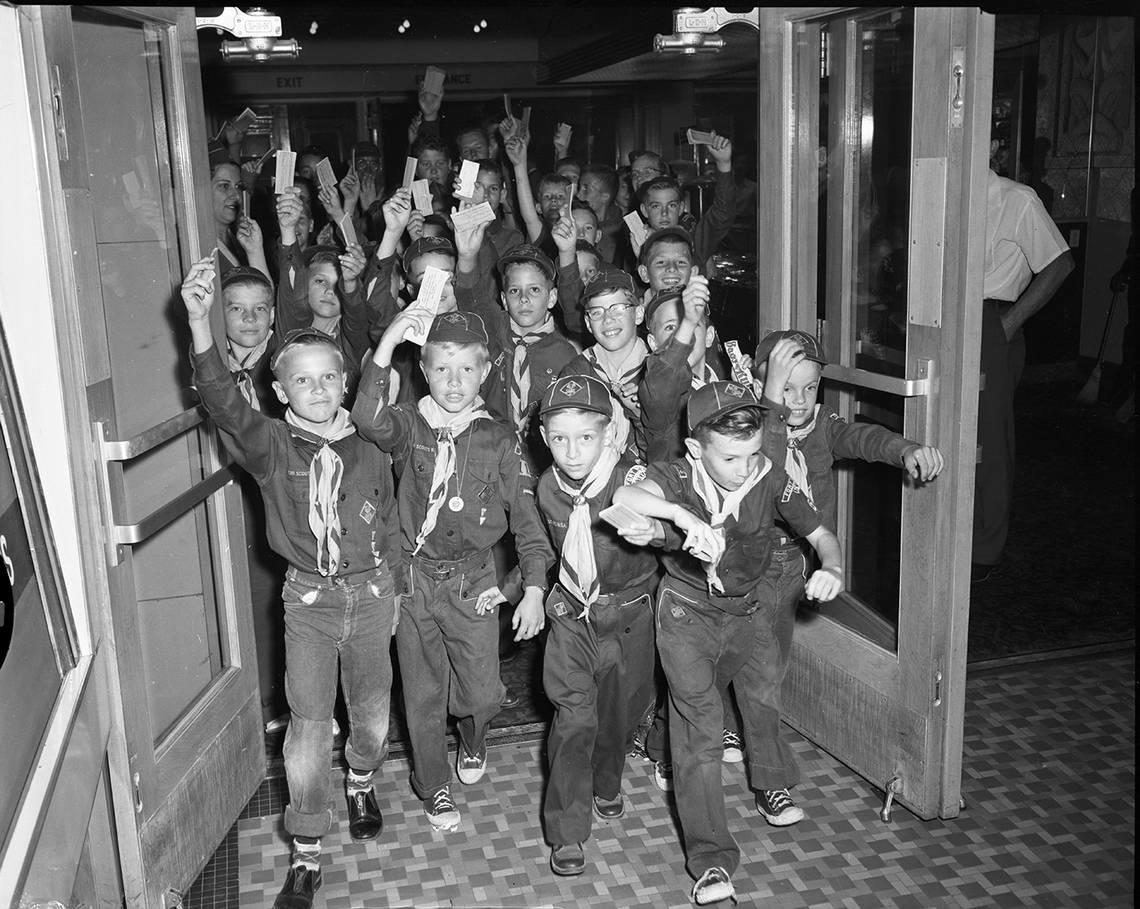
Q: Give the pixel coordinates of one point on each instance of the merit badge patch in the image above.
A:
(367, 512)
(635, 475)
(789, 491)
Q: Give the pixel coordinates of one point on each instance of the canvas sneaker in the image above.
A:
(733, 748)
(712, 887)
(777, 807)
(663, 775)
(470, 767)
(441, 810)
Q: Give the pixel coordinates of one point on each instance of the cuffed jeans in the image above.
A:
(702, 650)
(331, 621)
(589, 670)
(449, 662)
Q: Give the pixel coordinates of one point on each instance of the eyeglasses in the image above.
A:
(614, 311)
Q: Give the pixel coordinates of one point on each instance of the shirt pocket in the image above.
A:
(481, 485)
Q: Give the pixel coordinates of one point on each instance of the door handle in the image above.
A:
(919, 387)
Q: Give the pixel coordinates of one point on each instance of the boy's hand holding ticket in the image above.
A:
(427, 303)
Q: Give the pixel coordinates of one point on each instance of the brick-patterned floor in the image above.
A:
(1049, 782)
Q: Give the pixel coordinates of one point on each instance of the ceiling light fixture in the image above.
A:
(695, 30)
(258, 31)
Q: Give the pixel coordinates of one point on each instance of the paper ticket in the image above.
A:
(699, 137)
(468, 218)
(286, 166)
(636, 227)
(244, 120)
(409, 172)
(622, 517)
(507, 103)
(433, 80)
(468, 173)
(347, 230)
(421, 197)
(739, 373)
(325, 175)
(427, 301)
(245, 203)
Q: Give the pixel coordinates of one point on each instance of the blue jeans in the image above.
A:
(702, 650)
(330, 621)
(449, 662)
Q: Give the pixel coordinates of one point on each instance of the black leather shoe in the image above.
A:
(511, 699)
(609, 809)
(364, 820)
(300, 885)
(567, 859)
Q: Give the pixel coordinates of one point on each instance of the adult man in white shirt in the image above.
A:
(1027, 260)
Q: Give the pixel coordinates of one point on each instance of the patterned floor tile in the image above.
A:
(1049, 781)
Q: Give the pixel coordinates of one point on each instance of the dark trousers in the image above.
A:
(771, 761)
(449, 662)
(1002, 363)
(589, 670)
(702, 650)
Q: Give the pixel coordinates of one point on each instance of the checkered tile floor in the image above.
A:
(1049, 782)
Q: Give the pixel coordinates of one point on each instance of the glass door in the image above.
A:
(130, 139)
(882, 177)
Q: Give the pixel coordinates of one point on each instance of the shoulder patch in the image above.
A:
(789, 490)
(834, 416)
(634, 475)
(499, 359)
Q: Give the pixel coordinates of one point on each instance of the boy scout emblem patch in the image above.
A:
(571, 388)
(560, 609)
(635, 475)
(367, 512)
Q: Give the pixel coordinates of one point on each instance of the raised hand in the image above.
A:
(352, 263)
(414, 127)
(564, 233)
(430, 103)
(515, 147)
(330, 199)
(198, 289)
(249, 235)
(720, 150)
(397, 210)
(562, 133)
(350, 189)
(695, 298)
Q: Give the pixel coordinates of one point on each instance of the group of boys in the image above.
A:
(654, 508)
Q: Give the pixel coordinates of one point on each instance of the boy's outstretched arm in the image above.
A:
(648, 499)
(244, 431)
(516, 151)
(826, 583)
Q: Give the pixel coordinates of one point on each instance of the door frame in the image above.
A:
(835, 674)
(159, 859)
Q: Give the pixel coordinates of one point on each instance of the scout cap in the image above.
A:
(578, 392)
(714, 400)
(457, 328)
(606, 279)
(532, 255)
(425, 245)
(807, 342)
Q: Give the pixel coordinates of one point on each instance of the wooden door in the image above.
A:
(876, 198)
(131, 147)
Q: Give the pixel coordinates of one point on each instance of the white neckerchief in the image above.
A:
(520, 367)
(720, 505)
(794, 463)
(710, 376)
(447, 426)
(325, 473)
(240, 367)
(615, 374)
(578, 567)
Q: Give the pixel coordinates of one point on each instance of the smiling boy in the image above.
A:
(328, 499)
(461, 487)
